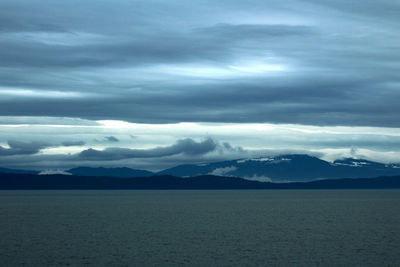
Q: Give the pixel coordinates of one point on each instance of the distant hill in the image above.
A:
(5, 170)
(29, 181)
(112, 172)
(287, 168)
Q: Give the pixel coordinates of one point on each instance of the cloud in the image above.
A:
(42, 120)
(223, 171)
(236, 33)
(308, 63)
(258, 178)
(10, 23)
(21, 148)
(73, 143)
(185, 146)
(304, 63)
(53, 171)
(112, 139)
(233, 141)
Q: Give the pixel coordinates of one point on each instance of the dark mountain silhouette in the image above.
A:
(30, 181)
(284, 168)
(5, 170)
(288, 168)
(114, 172)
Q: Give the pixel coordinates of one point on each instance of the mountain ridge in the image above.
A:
(117, 172)
(7, 170)
(293, 167)
(70, 182)
(283, 168)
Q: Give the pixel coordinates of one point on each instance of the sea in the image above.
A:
(200, 228)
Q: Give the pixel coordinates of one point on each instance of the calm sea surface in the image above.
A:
(200, 228)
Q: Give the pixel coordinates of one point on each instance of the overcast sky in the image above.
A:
(151, 84)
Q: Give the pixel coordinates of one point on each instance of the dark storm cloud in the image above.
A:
(236, 33)
(112, 139)
(162, 46)
(13, 24)
(279, 102)
(21, 148)
(46, 120)
(340, 61)
(184, 146)
(387, 9)
(73, 143)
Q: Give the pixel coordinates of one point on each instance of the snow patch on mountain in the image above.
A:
(353, 163)
(269, 160)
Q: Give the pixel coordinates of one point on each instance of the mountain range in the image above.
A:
(6, 170)
(287, 168)
(284, 168)
(112, 172)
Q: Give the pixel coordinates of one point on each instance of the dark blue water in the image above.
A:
(200, 228)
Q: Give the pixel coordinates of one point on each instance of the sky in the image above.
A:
(153, 84)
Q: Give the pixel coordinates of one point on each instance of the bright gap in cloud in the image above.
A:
(259, 127)
(229, 71)
(58, 38)
(64, 150)
(258, 68)
(178, 129)
(35, 120)
(31, 93)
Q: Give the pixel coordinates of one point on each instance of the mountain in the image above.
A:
(5, 170)
(286, 168)
(11, 181)
(112, 172)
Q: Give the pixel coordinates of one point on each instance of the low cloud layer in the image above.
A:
(185, 146)
(112, 139)
(73, 143)
(157, 146)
